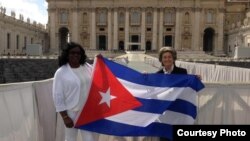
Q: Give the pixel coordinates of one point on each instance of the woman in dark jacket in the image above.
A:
(167, 57)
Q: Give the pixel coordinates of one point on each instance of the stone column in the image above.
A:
(160, 37)
(143, 26)
(109, 29)
(154, 41)
(2, 39)
(219, 46)
(126, 29)
(93, 29)
(115, 37)
(13, 41)
(196, 29)
(178, 21)
(54, 45)
(75, 30)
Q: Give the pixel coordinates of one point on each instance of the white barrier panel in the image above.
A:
(217, 73)
(28, 113)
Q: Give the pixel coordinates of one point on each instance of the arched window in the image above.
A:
(210, 16)
(168, 18)
(17, 41)
(102, 18)
(8, 40)
(135, 18)
(85, 18)
(187, 18)
(63, 17)
(121, 18)
(149, 18)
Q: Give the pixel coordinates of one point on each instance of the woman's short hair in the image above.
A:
(167, 49)
(64, 59)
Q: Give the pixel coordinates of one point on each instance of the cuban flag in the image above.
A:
(125, 102)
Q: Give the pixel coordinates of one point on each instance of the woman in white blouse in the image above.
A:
(70, 85)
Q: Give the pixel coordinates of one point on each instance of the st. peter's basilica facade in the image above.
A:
(213, 26)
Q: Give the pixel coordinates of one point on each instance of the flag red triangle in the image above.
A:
(104, 80)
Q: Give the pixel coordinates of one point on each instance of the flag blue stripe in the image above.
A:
(155, 79)
(120, 129)
(184, 107)
(159, 106)
(153, 105)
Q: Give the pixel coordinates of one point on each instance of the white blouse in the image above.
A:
(67, 87)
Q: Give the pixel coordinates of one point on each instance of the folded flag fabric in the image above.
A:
(125, 102)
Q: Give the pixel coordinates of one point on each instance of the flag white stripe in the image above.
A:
(160, 93)
(169, 117)
(135, 118)
(142, 119)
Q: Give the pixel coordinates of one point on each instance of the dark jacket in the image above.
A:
(176, 70)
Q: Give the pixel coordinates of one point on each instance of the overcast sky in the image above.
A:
(36, 10)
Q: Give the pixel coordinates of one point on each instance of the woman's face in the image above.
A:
(167, 59)
(74, 57)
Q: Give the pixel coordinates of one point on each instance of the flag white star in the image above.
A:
(106, 97)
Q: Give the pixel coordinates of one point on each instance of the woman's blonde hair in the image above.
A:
(167, 49)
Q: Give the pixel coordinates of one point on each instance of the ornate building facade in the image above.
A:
(213, 26)
(188, 25)
(17, 33)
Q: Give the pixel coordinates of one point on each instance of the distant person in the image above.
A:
(71, 81)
